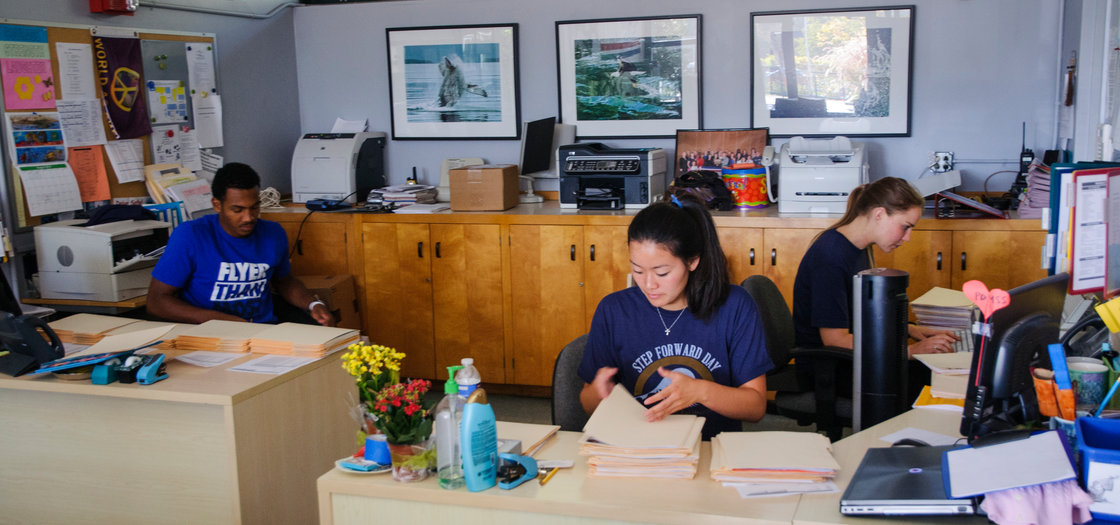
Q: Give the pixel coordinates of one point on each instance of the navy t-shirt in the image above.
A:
(729, 349)
(217, 271)
(822, 290)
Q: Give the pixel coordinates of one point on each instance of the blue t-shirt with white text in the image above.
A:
(217, 271)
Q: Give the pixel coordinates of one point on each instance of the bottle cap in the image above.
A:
(478, 396)
(468, 361)
(451, 387)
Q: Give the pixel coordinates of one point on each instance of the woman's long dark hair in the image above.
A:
(685, 228)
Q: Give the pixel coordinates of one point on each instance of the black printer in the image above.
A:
(596, 177)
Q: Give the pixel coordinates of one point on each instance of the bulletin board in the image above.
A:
(158, 48)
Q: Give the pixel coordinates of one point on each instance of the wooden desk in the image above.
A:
(206, 445)
(570, 497)
(93, 307)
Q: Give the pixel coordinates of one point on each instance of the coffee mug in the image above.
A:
(1090, 381)
(377, 449)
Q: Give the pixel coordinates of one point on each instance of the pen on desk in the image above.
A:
(1107, 398)
(548, 476)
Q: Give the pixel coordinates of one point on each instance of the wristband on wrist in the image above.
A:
(311, 306)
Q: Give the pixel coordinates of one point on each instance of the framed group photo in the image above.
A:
(454, 82)
(635, 77)
(832, 72)
(714, 150)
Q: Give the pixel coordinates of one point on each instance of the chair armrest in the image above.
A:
(825, 352)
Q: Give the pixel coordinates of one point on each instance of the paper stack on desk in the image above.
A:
(219, 336)
(87, 329)
(774, 463)
(301, 340)
(621, 443)
(948, 373)
(167, 338)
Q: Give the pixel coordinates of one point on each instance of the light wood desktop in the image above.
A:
(571, 496)
(93, 307)
(206, 445)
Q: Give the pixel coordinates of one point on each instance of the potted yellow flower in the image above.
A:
(374, 367)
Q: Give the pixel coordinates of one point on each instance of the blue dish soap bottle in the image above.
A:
(478, 437)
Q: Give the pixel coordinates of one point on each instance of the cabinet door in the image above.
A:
(467, 298)
(320, 250)
(999, 259)
(743, 248)
(398, 288)
(926, 257)
(546, 274)
(607, 264)
(782, 253)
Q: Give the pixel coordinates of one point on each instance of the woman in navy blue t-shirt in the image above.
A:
(683, 339)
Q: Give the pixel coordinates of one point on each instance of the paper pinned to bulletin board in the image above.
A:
(167, 102)
(25, 68)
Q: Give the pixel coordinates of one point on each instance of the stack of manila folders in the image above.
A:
(773, 463)
(621, 443)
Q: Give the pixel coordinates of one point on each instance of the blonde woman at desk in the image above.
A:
(683, 339)
(881, 213)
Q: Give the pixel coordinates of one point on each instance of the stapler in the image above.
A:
(151, 370)
(514, 469)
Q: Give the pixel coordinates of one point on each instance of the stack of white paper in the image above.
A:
(949, 377)
(301, 340)
(219, 336)
(87, 329)
(167, 338)
(621, 443)
(774, 463)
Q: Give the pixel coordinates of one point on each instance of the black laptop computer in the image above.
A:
(901, 481)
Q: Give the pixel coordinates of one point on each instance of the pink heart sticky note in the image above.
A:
(988, 301)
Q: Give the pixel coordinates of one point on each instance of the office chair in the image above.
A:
(567, 411)
(171, 212)
(821, 395)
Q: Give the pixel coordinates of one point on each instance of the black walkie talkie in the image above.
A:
(1026, 157)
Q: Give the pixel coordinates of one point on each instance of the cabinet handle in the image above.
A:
(773, 257)
(752, 256)
(420, 249)
(592, 253)
(573, 254)
(939, 261)
(964, 261)
(438, 256)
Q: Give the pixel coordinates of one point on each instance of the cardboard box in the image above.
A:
(486, 187)
(338, 292)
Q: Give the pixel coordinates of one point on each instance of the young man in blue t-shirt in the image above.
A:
(225, 266)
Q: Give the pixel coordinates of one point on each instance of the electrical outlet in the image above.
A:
(942, 161)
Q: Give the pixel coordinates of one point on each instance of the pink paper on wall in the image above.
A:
(28, 83)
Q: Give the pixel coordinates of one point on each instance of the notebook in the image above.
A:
(901, 481)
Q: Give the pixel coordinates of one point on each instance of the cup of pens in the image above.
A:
(1090, 381)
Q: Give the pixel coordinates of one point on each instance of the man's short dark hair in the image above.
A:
(234, 175)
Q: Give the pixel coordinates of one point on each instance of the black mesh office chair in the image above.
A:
(567, 411)
(822, 396)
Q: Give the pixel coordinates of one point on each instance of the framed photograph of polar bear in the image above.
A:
(633, 77)
(454, 82)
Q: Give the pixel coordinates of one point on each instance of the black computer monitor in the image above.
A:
(1000, 391)
(537, 152)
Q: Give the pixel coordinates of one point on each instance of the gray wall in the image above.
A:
(981, 68)
(256, 74)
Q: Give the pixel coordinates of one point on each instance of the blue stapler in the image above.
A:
(151, 370)
(514, 469)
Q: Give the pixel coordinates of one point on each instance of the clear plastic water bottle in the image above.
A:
(467, 377)
(449, 413)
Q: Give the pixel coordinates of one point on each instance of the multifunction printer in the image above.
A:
(594, 176)
(109, 262)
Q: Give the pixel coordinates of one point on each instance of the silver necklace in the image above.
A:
(671, 325)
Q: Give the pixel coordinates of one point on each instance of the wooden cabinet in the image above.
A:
(999, 258)
(320, 248)
(434, 292)
(773, 252)
(606, 265)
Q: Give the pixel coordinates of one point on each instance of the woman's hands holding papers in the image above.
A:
(598, 389)
(682, 393)
(746, 402)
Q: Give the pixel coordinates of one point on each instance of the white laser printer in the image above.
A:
(817, 175)
(106, 262)
(338, 165)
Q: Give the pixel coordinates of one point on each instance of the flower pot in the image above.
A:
(410, 462)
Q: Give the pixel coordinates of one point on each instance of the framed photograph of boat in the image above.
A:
(454, 82)
(832, 72)
(632, 77)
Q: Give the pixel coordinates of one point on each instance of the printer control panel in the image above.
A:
(604, 165)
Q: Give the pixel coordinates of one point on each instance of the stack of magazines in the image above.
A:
(403, 194)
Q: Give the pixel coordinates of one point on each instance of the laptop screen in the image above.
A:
(901, 481)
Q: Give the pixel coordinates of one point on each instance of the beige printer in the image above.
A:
(106, 262)
(817, 175)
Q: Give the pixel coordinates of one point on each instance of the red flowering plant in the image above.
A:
(403, 415)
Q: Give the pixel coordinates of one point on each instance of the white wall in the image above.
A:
(256, 73)
(981, 68)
